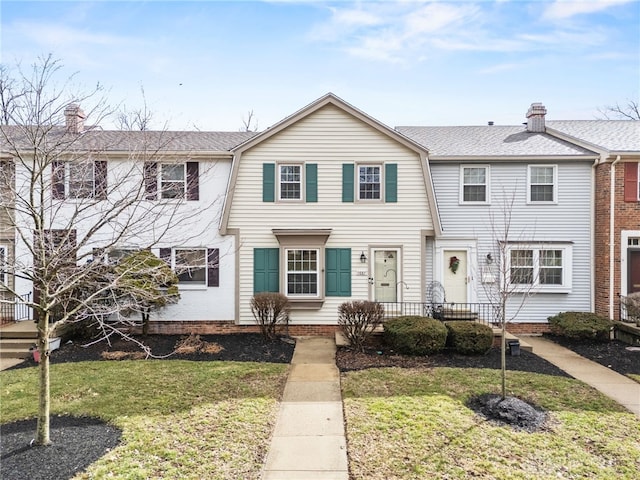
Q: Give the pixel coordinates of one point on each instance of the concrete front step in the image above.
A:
(26, 329)
(14, 352)
(17, 338)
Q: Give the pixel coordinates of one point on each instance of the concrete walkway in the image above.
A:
(614, 385)
(309, 441)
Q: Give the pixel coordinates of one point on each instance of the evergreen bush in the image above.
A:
(581, 326)
(415, 335)
(469, 338)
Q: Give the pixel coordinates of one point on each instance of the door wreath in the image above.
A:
(454, 263)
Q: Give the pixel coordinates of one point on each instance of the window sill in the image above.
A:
(306, 303)
(191, 287)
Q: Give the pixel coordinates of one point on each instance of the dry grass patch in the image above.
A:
(194, 344)
(119, 355)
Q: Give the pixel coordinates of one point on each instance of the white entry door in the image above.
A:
(385, 275)
(455, 275)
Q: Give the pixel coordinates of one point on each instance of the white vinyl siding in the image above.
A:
(330, 138)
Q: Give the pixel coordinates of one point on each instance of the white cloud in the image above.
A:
(563, 9)
(60, 36)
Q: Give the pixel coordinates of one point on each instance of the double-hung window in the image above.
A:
(369, 182)
(545, 267)
(290, 179)
(172, 181)
(79, 180)
(542, 184)
(195, 267)
(302, 274)
(474, 186)
(191, 266)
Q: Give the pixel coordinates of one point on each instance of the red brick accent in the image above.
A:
(627, 217)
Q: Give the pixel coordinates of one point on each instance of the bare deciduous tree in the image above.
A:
(507, 280)
(249, 122)
(74, 195)
(138, 119)
(628, 111)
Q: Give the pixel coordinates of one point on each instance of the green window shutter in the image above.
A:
(266, 276)
(338, 272)
(268, 182)
(347, 182)
(311, 180)
(391, 182)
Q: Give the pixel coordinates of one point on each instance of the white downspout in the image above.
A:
(612, 235)
(592, 234)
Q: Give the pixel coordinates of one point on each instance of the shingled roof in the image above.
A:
(490, 141)
(118, 140)
(612, 135)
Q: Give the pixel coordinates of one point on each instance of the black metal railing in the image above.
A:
(15, 310)
(481, 312)
(629, 309)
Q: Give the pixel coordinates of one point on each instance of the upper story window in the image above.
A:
(172, 181)
(369, 182)
(302, 272)
(290, 182)
(79, 180)
(547, 268)
(474, 186)
(542, 184)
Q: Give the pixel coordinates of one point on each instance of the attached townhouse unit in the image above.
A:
(330, 205)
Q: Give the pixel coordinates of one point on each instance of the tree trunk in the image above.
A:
(145, 320)
(503, 352)
(44, 404)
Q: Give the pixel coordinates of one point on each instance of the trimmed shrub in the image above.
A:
(269, 310)
(358, 320)
(581, 326)
(469, 338)
(415, 335)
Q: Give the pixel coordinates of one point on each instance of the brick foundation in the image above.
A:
(217, 327)
(528, 328)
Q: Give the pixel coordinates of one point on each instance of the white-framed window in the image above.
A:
(545, 267)
(369, 182)
(4, 252)
(302, 272)
(80, 179)
(190, 264)
(173, 180)
(474, 184)
(290, 182)
(542, 184)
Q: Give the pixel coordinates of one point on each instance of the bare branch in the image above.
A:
(627, 111)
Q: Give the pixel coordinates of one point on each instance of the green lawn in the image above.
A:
(413, 424)
(180, 419)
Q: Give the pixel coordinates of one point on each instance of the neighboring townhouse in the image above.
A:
(330, 205)
(617, 204)
(516, 193)
(7, 238)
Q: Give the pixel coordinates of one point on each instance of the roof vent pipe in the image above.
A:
(490, 123)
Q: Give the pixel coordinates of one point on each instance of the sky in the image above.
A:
(206, 64)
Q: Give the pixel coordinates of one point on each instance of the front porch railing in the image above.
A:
(629, 310)
(15, 310)
(481, 312)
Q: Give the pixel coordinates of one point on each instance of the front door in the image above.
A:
(634, 271)
(455, 275)
(385, 275)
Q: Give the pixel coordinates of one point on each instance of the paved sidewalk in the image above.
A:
(309, 441)
(614, 385)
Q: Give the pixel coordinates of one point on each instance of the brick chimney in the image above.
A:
(74, 118)
(535, 118)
